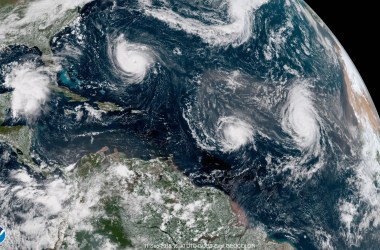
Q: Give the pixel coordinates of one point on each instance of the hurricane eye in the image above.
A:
(132, 61)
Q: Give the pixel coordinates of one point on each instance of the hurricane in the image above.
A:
(127, 124)
(300, 118)
(234, 133)
(131, 60)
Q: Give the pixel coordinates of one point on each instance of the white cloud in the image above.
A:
(30, 90)
(237, 32)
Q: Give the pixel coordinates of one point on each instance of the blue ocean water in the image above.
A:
(183, 96)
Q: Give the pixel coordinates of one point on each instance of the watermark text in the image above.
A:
(200, 246)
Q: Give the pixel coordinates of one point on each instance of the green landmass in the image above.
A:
(69, 94)
(142, 203)
(5, 102)
(8, 2)
(147, 203)
(112, 223)
(108, 106)
(18, 137)
(39, 34)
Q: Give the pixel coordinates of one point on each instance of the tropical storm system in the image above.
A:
(159, 123)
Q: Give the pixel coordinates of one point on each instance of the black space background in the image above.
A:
(355, 24)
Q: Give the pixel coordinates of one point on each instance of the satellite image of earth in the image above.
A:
(177, 124)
